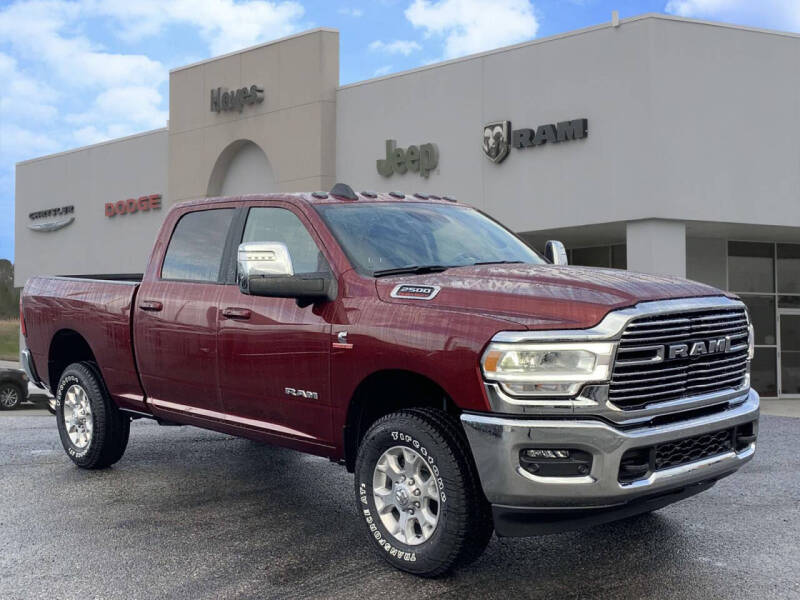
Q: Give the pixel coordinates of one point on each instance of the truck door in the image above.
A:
(275, 356)
(175, 323)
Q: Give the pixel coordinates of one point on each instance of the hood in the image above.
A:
(542, 296)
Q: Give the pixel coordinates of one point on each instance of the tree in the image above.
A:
(9, 297)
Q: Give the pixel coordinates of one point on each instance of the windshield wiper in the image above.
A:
(498, 262)
(413, 269)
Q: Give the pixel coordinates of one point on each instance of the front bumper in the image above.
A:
(496, 443)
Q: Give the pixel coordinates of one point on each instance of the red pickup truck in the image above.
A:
(471, 384)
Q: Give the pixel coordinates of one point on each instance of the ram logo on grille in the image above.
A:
(695, 349)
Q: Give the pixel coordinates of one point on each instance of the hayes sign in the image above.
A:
(224, 100)
(498, 137)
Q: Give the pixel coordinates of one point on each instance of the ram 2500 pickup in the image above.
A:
(471, 384)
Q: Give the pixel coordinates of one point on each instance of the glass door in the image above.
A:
(789, 344)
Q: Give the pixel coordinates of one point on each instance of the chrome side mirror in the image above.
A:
(265, 269)
(555, 252)
(257, 259)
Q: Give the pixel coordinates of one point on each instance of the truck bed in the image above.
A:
(97, 308)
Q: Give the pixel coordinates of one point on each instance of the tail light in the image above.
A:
(22, 319)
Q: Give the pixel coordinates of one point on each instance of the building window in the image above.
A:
(766, 276)
(600, 256)
(763, 372)
(751, 267)
(789, 268)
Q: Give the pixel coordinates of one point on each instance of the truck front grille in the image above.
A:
(645, 374)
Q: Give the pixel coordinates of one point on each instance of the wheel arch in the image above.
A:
(67, 347)
(386, 391)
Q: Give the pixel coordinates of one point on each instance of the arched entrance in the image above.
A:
(242, 168)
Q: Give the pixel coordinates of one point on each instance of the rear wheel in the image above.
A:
(11, 395)
(418, 493)
(93, 431)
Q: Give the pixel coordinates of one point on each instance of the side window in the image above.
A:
(196, 247)
(267, 224)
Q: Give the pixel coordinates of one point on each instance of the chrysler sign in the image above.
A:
(499, 138)
(61, 217)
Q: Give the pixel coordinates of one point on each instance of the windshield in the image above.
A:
(382, 237)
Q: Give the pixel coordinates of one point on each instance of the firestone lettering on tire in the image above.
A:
(404, 437)
(376, 533)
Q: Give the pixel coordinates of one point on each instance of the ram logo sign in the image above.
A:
(499, 138)
(496, 139)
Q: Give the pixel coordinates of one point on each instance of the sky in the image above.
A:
(77, 72)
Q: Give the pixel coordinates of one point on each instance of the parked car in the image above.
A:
(13, 388)
(471, 384)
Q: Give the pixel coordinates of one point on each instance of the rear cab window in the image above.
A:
(197, 246)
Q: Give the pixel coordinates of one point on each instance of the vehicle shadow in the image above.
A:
(287, 522)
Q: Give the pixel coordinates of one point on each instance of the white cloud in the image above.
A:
(775, 14)
(380, 71)
(470, 26)
(117, 112)
(35, 30)
(351, 12)
(404, 47)
(24, 96)
(224, 24)
(21, 141)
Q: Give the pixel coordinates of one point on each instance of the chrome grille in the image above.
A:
(644, 375)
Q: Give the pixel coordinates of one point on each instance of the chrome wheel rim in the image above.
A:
(78, 416)
(406, 495)
(9, 397)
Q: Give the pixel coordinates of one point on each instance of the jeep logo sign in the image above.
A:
(417, 159)
(697, 349)
(498, 136)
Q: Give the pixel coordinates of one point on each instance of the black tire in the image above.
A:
(110, 428)
(12, 395)
(464, 525)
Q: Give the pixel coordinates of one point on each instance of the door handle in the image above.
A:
(236, 313)
(151, 305)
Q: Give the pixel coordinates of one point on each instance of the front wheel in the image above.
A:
(93, 431)
(11, 395)
(418, 493)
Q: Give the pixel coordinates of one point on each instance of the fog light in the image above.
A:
(552, 462)
(545, 453)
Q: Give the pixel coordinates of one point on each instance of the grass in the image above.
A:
(9, 339)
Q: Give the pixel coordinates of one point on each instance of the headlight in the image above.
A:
(547, 369)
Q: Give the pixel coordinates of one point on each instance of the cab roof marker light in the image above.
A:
(421, 196)
(320, 195)
(368, 194)
(342, 190)
(449, 198)
(397, 194)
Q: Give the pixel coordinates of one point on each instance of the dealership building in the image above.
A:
(655, 143)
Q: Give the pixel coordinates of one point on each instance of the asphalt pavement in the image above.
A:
(193, 514)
